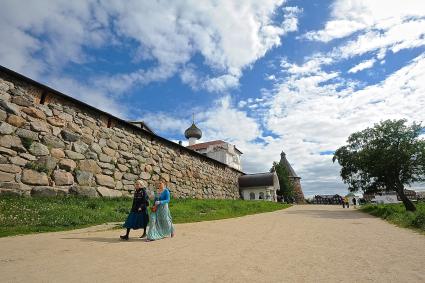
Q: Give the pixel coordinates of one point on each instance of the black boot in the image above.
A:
(144, 234)
(125, 237)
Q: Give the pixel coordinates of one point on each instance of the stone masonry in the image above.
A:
(51, 144)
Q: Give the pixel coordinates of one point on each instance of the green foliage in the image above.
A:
(397, 214)
(37, 167)
(286, 186)
(19, 215)
(386, 157)
(27, 142)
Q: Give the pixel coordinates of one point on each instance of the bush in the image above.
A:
(27, 142)
(397, 214)
(37, 167)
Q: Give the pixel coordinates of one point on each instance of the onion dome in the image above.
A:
(193, 132)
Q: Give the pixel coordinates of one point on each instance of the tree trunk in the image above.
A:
(408, 204)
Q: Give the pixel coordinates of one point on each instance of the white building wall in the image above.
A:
(267, 191)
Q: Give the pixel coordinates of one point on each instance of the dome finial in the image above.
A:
(193, 133)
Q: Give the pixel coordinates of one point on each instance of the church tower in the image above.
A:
(193, 133)
(295, 179)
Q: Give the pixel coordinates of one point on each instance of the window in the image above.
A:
(261, 196)
(251, 196)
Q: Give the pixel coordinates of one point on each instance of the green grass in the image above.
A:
(397, 214)
(20, 215)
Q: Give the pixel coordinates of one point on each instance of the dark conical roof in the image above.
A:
(193, 132)
(288, 166)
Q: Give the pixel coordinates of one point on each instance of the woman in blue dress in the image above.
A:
(160, 222)
(138, 217)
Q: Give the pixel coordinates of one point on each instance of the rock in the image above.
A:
(80, 147)
(9, 107)
(104, 180)
(55, 121)
(6, 177)
(118, 175)
(9, 141)
(44, 191)
(105, 158)
(107, 172)
(89, 166)
(74, 155)
(145, 175)
(96, 148)
(122, 168)
(32, 177)
(106, 165)
(119, 186)
(39, 126)
(17, 91)
(87, 139)
(85, 191)
(74, 128)
(4, 86)
(123, 147)
(84, 178)
(112, 144)
(67, 164)
(10, 192)
(23, 133)
(156, 169)
(10, 168)
(70, 136)
(48, 162)
(53, 141)
(6, 129)
(34, 112)
(57, 153)
(38, 149)
(165, 176)
(7, 151)
(63, 178)
(64, 116)
(127, 155)
(16, 121)
(105, 192)
(130, 177)
(28, 156)
(167, 166)
(45, 109)
(109, 151)
(3, 115)
(18, 161)
(91, 155)
(21, 101)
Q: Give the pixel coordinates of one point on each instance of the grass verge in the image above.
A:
(20, 215)
(397, 214)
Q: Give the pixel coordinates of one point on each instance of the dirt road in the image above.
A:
(299, 244)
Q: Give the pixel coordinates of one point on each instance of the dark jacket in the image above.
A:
(140, 200)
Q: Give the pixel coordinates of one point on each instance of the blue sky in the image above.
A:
(270, 75)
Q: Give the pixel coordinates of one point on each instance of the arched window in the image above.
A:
(252, 195)
(261, 195)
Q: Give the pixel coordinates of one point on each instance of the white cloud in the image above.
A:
(362, 66)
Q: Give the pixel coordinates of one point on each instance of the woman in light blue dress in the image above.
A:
(160, 222)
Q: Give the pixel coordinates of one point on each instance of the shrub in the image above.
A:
(27, 142)
(37, 167)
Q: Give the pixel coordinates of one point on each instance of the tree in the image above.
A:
(384, 158)
(286, 186)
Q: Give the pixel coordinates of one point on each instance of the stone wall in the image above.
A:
(51, 144)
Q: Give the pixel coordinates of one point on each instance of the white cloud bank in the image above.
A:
(367, 64)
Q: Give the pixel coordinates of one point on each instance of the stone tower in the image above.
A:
(295, 179)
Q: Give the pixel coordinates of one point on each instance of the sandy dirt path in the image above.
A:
(299, 244)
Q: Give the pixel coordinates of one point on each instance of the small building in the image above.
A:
(328, 199)
(293, 177)
(221, 151)
(389, 197)
(260, 186)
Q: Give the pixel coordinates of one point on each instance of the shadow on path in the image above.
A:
(330, 214)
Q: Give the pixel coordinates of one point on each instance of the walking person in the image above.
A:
(347, 203)
(160, 222)
(354, 202)
(138, 217)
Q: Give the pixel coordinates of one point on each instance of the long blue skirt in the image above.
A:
(136, 220)
(160, 223)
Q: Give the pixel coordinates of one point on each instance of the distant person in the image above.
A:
(138, 217)
(347, 203)
(354, 202)
(160, 223)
